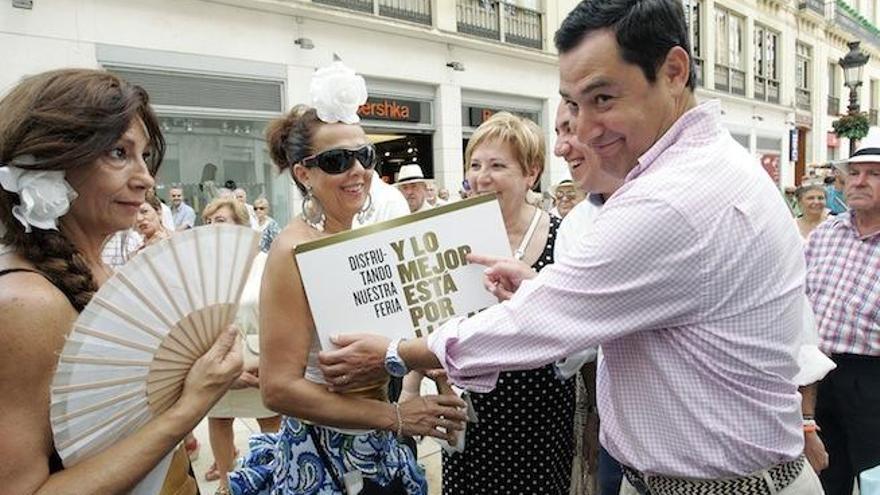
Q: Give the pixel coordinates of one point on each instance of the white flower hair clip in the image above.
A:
(337, 92)
(44, 195)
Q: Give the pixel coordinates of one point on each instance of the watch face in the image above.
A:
(395, 367)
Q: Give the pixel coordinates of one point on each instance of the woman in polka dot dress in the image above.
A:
(523, 440)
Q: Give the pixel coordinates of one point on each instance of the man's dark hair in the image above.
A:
(645, 30)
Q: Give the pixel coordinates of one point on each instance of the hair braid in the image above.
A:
(51, 254)
(56, 258)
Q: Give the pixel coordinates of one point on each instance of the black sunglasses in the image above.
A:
(337, 161)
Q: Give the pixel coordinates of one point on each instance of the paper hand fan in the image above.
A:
(131, 348)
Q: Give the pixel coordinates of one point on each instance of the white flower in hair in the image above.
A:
(44, 195)
(337, 92)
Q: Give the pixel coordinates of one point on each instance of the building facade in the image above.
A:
(219, 70)
(774, 65)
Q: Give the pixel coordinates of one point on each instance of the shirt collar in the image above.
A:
(845, 220)
(703, 117)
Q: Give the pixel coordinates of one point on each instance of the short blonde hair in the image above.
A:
(261, 201)
(239, 212)
(522, 135)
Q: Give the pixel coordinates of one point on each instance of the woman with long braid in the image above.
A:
(78, 152)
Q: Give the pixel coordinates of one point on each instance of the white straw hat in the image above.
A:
(867, 152)
(410, 173)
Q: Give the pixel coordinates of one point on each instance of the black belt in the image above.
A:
(780, 475)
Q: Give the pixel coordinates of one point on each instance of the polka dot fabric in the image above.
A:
(523, 442)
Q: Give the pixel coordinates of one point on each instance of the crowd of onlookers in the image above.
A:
(159, 219)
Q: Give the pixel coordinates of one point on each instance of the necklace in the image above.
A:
(527, 237)
(319, 225)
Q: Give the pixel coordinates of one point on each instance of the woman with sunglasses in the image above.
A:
(328, 441)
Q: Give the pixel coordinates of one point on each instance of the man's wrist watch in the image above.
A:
(394, 365)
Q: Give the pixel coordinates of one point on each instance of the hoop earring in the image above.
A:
(313, 211)
(364, 213)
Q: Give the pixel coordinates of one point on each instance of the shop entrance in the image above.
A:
(397, 149)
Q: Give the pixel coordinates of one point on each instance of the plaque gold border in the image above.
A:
(389, 224)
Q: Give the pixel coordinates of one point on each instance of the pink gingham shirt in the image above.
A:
(692, 280)
(843, 287)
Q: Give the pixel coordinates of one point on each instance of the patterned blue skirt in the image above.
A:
(287, 462)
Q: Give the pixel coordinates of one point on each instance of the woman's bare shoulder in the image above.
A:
(34, 312)
(297, 232)
(36, 318)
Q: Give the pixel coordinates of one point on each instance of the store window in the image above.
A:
(831, 153)
(769, 149)
(206, 155)
(213, 113)
(742, 139)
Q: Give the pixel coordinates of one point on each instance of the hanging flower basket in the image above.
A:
(853, 126)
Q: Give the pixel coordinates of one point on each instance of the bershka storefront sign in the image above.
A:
(390, 109)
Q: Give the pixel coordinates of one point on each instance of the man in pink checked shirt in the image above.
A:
(843, 260)
(691, 278)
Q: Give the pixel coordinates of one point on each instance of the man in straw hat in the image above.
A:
(567, 195)
(843, 260)
(414, 187)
